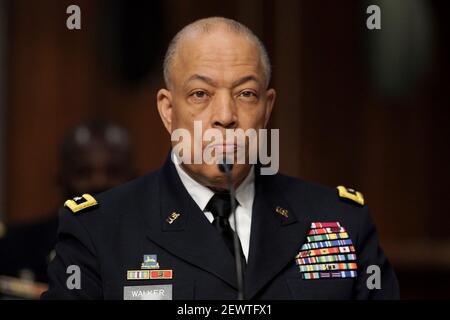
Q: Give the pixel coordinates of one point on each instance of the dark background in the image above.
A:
(357, 107)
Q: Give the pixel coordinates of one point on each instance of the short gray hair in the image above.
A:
(206, 25)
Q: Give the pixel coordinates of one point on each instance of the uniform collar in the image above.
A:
(182, 229)
(201, 194)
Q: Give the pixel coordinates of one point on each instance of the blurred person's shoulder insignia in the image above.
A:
(350, 194)
(78, 204)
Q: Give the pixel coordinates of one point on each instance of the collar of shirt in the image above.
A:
(201, 194)
(244, 195)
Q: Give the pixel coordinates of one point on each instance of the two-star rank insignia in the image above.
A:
(351, 194)
(80, 203)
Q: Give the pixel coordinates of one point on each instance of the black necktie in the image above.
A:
(220, 207)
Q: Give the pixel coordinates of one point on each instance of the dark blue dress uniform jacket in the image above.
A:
(131, 220)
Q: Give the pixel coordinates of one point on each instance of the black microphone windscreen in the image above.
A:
(224, 166)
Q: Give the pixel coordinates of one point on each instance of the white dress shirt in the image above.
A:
(244, 195)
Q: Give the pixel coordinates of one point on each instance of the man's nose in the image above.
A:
(224, 111)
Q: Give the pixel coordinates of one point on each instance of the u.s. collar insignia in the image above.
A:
(173, 216)
(352, 194)
(282, 211)
(150, 262)
(79, 203)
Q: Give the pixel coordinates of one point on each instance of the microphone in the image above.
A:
(226, 168)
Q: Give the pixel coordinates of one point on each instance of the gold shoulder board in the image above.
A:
(352, 194)
(79, 203)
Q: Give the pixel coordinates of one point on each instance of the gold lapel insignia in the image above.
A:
(173, 216)
(351, 194)
(282, 211)
(79, 203)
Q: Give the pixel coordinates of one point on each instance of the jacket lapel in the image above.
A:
(277, 233)
(176, 223)
(182, 228)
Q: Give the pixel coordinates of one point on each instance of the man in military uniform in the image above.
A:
(167, 235)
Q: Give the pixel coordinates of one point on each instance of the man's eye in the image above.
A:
(247, 94)
(199, 94)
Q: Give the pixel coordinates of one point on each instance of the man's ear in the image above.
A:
(270, 100)
(164, 102)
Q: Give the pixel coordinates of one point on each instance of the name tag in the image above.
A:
(153, 292)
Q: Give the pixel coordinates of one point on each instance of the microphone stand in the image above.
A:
(226, 168)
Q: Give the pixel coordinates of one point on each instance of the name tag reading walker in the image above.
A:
(153, 292)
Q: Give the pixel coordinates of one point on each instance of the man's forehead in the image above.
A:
(232, 79)
(218, 45)
(226, 59)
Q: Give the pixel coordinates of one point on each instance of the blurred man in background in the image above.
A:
(94, 156)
